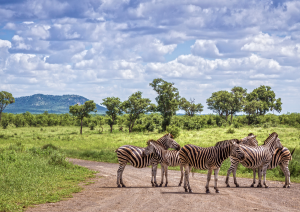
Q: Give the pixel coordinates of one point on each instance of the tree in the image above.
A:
(135, 106)
(6, 98)
(220, 102)
(81, 111)
(113, 106)
(237, 100)
(168, 100)
(267, 98)
(190, 107)
(251, 108)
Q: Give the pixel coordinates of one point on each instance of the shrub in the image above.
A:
(175, 131)
(138, 128)
(230, 131)
(49, 146)
(58, 159)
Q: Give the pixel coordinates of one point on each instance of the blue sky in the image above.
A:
(101, 48)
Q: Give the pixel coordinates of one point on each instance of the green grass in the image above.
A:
(35, 176)
(93, 145)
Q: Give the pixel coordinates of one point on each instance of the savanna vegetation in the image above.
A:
(38, 144)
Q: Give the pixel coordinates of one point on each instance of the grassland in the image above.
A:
(93, 145)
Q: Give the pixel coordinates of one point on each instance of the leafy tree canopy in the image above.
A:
(113, 105)
(81, 111)
(135, 106)
(190, 107)
(220, 102)
(6, 98)
(168, 99)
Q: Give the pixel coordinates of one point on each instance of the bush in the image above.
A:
(138, 128)
(58, 159)
(230, 131)
(175, 131)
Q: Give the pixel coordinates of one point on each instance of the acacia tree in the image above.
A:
(220, 102)
(267, 98)
(6, 98)
(81, 111)
(237, 100)
(251, 108)
(190, 107)
(135, 106)
(167, 100)
(113, 106)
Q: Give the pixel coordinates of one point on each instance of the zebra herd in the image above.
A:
(245, 151)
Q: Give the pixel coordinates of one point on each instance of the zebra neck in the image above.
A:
(225, 152)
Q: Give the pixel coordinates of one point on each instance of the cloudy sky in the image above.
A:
(102, 48)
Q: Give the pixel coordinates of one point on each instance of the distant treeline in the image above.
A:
(148, 122)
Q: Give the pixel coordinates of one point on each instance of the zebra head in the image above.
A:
(169, 142)
(274, 141)
(149, 149)
(250, 140)
(236, 151)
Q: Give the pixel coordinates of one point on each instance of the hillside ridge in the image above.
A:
(39, 103)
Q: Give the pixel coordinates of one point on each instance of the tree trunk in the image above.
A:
(231, 119)
(111, 128)
(0, 116)
(81, 127)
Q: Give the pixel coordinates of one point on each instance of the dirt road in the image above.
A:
(103, 195)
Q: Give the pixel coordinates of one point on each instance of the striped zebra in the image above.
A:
(133, 155)
(210, 158)
(166, 158)
(281, 158)
(258, 157)
(250, 140)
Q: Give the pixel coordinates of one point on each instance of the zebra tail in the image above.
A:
(293, 151)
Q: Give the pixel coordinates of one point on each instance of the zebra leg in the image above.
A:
(186, 186)
(162, 174)
(264, 171)
(181, 170)
(120, 174)
(232, 168)
(259, 177)
(216, 172)
(285, 169)
(166, 174)
(234, 177)
(254, 176)
(153, 179)
(208, 179)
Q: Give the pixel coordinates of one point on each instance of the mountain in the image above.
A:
(38, 103)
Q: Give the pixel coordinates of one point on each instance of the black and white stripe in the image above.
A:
(134, 156)
(210, 158)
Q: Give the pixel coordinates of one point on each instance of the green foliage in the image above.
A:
(231, 131)
(6, 98)
(113, 105)
(168, 100)
(175, 131)
(220, 103)
(35, 176)
(190, 107)
(135, 106)
(82, 111)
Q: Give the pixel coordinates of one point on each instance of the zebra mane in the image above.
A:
(171, 136)
(271, 137)
(227, 142)
(250, 134)
(154, 141)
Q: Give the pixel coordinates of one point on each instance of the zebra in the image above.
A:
(133, 155)
(210, 158)
(257, 157)
(166, 158)
(250, 141)
(280, 157)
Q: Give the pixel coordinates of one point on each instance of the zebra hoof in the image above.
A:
(119, 186)
(207, 191)
(166, 185)
(156, 185)
(288, 186)
(259, 186)
(123, 185)
(266, 186)
(228, 185)
(252, 185)
(284, 186)
(185, 190)
(179, 184)
(237, 185)
(217, 191)
(190, 191)
(160, 185)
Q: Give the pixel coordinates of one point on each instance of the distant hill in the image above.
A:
(38, 103)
